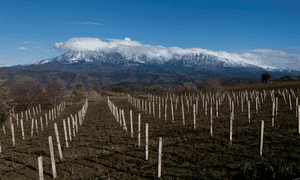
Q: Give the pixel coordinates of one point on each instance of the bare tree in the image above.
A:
(54, 92)
(25, 93)
(97, 88)
(6, 102)
(212, 85)
(78, 93)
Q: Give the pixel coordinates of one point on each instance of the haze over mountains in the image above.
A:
(126, 61)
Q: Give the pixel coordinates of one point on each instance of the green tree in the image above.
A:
(265, 77)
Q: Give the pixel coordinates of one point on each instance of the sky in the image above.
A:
(256, 30)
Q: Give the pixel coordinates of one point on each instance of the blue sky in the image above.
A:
(29, 29)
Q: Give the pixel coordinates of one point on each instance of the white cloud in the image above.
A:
(267, 58)
(22, 48)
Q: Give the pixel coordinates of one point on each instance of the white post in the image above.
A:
(194, 116)
(58, 142)
(273, 109)
(159, 108)
(172, 110)
(41, 172)
(52, 157)
(261, 137)
(153, 103)
(46, 119)
(131, 124)
(65, 131)
(32, 123)
(290, 102)
(17, 118)
(76, 123)
(297, 107)
(13, 134)
(149, 108)
(211, 122)
(124, 122)
(205, 107)
(22, 128)
(139, 130)
(249, 110)
(276, 105)
(26, 112)
(41, 119)
(159, 156)
(298, 119)
(230, 130)
(183, 120)
(217, 109)
(36, 126)
(166, 111)
(147, 129)
(69, 127)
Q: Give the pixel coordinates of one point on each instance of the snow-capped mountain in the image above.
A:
(117, 60)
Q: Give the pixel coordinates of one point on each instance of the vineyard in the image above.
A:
(249, 134)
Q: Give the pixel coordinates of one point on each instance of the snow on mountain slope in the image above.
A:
(189, 59)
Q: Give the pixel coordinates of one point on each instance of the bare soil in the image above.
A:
(103, 150)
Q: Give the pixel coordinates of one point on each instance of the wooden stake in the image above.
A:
(249, 110)
(69, 128)
(276, 105)
(194, 116)
(261, 138)
(183, 120)
(159, 156)
(13, 135)
(298, 119)
(172, 110)
(166, 111)
(273, 109)
(217, 107)
(32, 123)
(205, 107)
(58, 142)
(52, 157)
(230, 129)
(76, 123)
(73, 125)
(153, 103)
(159, 108)
(41, 119)
(36, 126)
(211, 122)
(41, 172)
(147, 129)
(66, 135)
(139, 130)
(124, 122)
(290, 102)
(22, 128)
(131, 124)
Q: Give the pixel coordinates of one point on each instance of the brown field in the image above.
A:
(103, 150)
